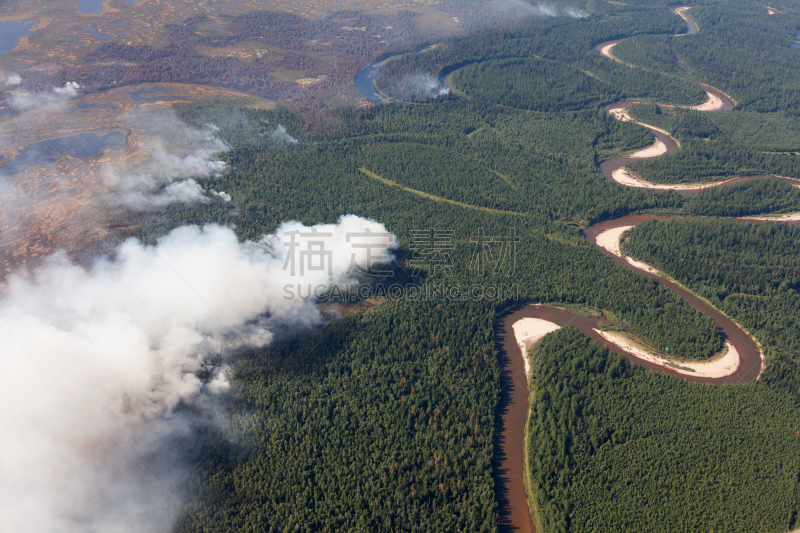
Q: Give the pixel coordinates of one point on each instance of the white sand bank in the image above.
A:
(713, 103)
(644, 266)
(656, 149)
(719, 367)
(529, 331)
(788, 217)
(606, 51)
(623, 115)
(609, 239)
(623, 176)
(794, 182)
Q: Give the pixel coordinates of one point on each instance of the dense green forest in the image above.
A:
(760, 77)
(613, 447)
(750, 271)
(377, 423)
(745, 198)
(479, 155)
(384, 419)
(715, 146)
(534, 84)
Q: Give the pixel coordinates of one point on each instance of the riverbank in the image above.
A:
(528, 332)
(745, 357)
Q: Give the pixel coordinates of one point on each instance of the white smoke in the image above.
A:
(281, 136)
(521, 8)
(225, 196)
(13, 79)
(96, 362)
(545, 10)
(187, 191)
(419, 87)
(26, 101)
(574, 12)
(170, 155)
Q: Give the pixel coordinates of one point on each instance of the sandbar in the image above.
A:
(529, 331)
(719, 366)
(609, 239)
(624, 176)
(606, 51)
(788, 217)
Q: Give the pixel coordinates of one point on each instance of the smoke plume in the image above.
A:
(575, 12)
(221, 194)
(281, 136)
(13, 79)
(169, 156)
(479, 14)
(98, 361)
(26, 101)
(419, 87)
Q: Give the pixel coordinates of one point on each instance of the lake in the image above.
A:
(47, 152)
(10, 33)
(90, 7)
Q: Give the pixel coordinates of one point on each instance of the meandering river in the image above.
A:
(509, 441)
(509, 461)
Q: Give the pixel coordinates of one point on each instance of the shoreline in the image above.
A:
(786, 217)
(528, 332)
(609, 240)
(719, 366)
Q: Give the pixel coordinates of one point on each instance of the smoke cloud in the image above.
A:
(419, 87)
(165, 163)
(26, 101)
(548, 10)
(281, 136)
(479, 14)
(98, 361)
(575, 12)
(225, 196)
(13, 79)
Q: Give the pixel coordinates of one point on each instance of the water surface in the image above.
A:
(365, 81)
(47, 152)
(137, 95)
(90, 7)
(95, 30)
(11, 32)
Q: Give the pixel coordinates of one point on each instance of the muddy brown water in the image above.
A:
(509, 465)
(608, 167)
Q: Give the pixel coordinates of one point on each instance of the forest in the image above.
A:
(751, 271)
(614, 447)
(716, 146)
(385, 419)
(549, 179)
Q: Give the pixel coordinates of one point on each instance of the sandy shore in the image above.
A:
(718, 367)
(606, 51)
(529, 331)
(609, 239)
(644, 266)
(623, 115)
(681, 12)
(713, 103)
(656, 149)
(794, 182)
(788, 217)
(623, 176)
